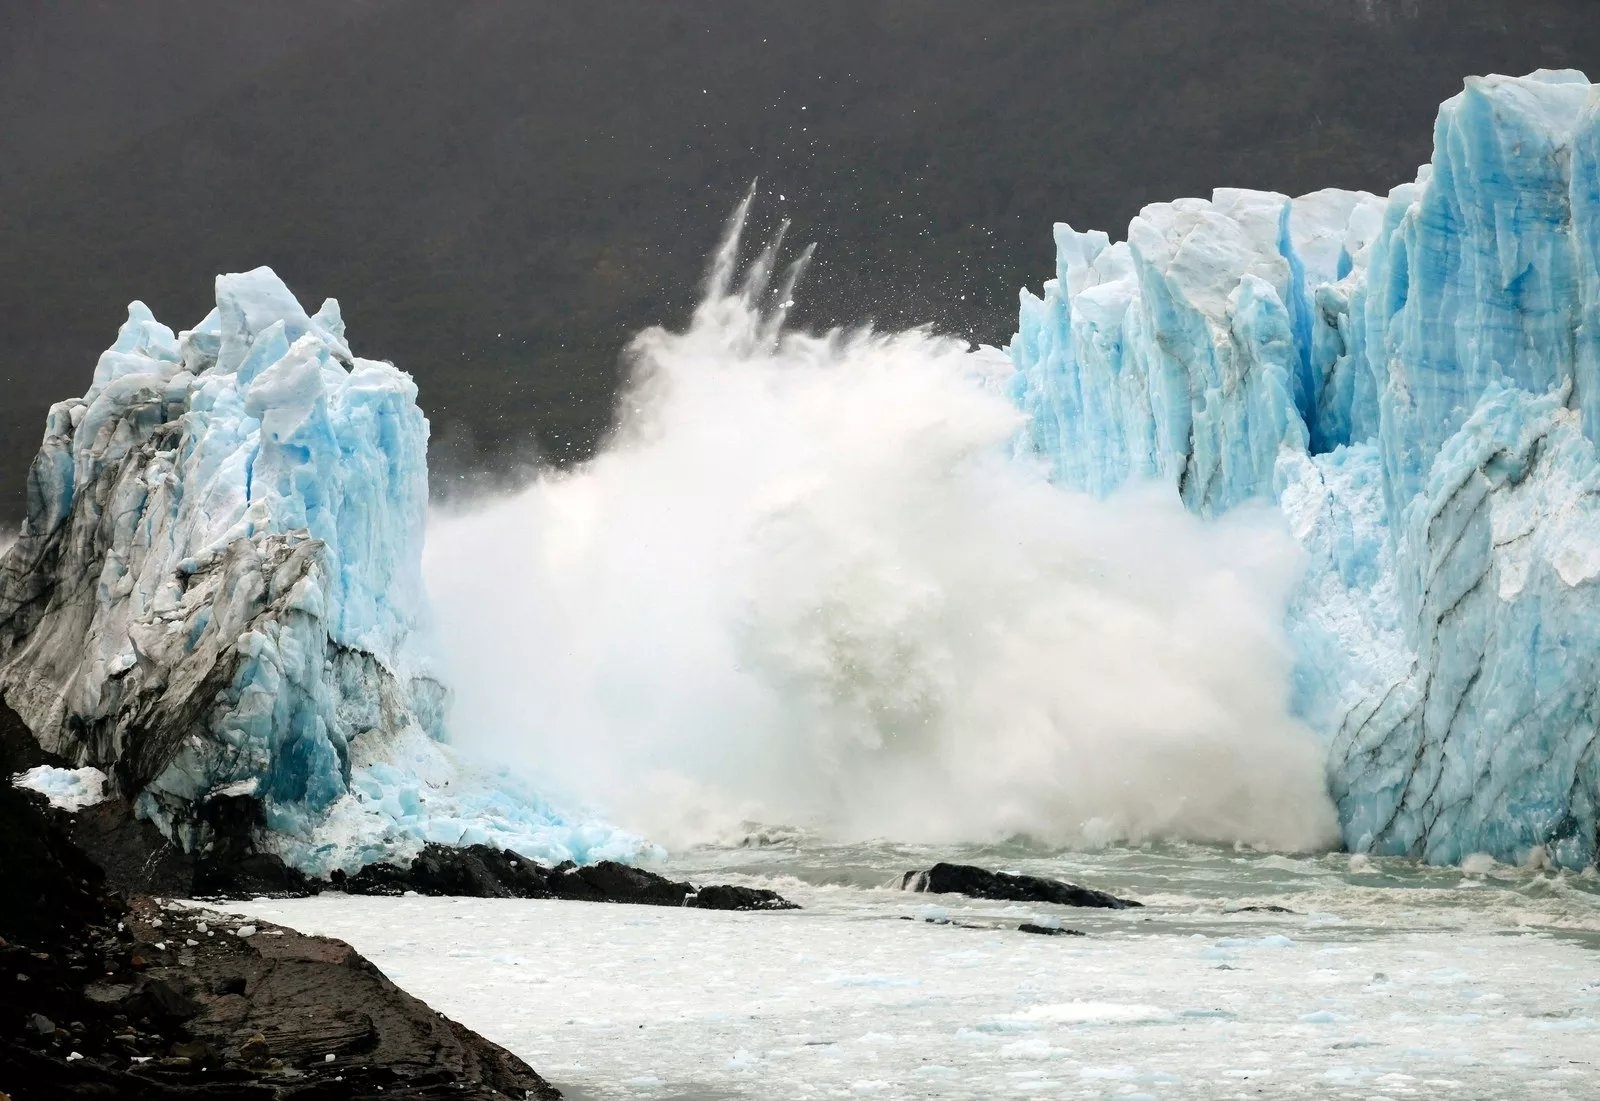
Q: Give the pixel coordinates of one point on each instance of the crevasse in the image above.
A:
(218, 592)
(1416, 381)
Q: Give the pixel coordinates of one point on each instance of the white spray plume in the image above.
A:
(806, 582)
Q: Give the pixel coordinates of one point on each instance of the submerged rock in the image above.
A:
(965, 879)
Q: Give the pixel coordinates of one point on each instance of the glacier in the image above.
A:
(1415, 380)
(217, 593)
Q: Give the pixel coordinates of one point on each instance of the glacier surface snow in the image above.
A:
(1416, 381)
(217, 592)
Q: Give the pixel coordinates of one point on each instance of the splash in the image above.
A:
(807, 582)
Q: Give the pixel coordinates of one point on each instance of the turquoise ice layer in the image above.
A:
(1415, 380)
(218, 593)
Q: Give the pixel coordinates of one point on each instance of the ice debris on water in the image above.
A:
(218, 590)
(1415, 381)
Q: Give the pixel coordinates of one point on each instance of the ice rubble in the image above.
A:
(217, 592)
(1416, 381)
(68, 789)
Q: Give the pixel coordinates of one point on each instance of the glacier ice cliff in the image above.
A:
(1415, 380)
(218, 592)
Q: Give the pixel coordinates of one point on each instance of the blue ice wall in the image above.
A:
(1416, 381)
(218, 592)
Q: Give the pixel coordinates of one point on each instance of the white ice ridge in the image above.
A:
(1416, 380)
(68, 789)
(218, 592)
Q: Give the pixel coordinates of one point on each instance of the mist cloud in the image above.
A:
(807, 583)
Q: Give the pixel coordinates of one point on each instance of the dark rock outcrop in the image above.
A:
(722, 897)
(136, 859)
(140, 1013)
(974, 882)
(47, 886)
(1049, 930)
(479, 871)
(105, 999)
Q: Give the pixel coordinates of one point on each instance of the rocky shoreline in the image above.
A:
(144, 999)
(110, 989)
(136, 859)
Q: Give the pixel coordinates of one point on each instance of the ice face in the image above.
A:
(1479, 278)
(68, 789)
(1416, 381)
(218, 590)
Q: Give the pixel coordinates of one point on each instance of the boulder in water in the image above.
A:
(1049, 930)
(975, 882)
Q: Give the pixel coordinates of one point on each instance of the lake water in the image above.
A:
(1386, 979)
